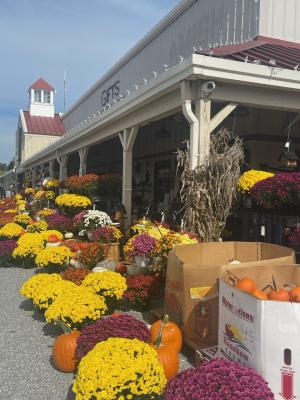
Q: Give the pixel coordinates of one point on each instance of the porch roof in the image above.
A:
(262, 50)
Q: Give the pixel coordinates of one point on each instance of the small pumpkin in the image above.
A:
(246, 285)
(52, 238)
(166, 354)
(121, 268)
(63, 350)
(171, 333)
(68, 235)
(260, 294)
(295, 294)
(279, 295)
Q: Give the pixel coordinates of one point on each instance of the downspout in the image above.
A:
(194, 125)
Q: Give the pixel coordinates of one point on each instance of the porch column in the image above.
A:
(207, 124)
(201, 123)
(33, 175)
(127, 138)
(63, 161)
(51, 168)
(83, 153)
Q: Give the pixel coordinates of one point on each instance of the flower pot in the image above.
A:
(142, 261)
(114, 252)
(133, 269)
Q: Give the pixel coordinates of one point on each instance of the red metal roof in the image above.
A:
(44, 125)
(285, 54)
(41, 84)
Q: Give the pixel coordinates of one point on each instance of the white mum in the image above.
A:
(94, 219)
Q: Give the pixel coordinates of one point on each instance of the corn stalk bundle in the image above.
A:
(210, 190)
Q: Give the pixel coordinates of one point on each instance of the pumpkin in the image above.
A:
(246, 285)
(63, 351)
(168, 358)
(295, 294)
(68, 235)
(166, 353)
(260, 294)
(171, 333)
(279, 295)
(121, 268)
(52, 238)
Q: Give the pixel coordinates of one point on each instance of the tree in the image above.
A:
(11, 165)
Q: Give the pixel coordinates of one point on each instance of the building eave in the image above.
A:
(196, 67)
(148, 38)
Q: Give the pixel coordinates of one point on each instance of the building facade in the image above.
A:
(230, 63)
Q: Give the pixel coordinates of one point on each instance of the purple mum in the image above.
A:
(60, 222)
(218, 380)
(143, 245)
(7, 247)
(120, 326)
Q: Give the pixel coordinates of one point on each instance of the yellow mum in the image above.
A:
(250, 178)
(11, 230)
(22, 219)
(35, 282)
(107, 284)
(53, 257)
(73, 201)
(45, 212)
(46, 294)
(39, 226)
(76, 307)
(119, 369)
(34, 239)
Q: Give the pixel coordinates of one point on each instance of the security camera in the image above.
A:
(207, 88)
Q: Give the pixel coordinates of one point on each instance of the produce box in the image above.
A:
(191, 296)
(263, 334)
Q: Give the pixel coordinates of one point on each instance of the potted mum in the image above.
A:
(141, 248)
(89, 220)
(111, 236)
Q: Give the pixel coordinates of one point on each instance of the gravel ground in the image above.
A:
(26, 341)
(26, 372)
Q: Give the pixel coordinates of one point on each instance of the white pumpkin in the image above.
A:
(56, 244)
(68, 235)
(99, 269)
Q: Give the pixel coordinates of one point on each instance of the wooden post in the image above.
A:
(33, 172)
(63, 161)
(127, 138)
(83, 153)
(202, 111)
(51, 168)
(208, 125)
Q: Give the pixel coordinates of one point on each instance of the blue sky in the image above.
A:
(46, 37)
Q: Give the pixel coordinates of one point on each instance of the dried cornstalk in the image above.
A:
(210, 189)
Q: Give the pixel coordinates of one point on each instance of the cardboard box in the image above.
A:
(263, 334)
(199, 266)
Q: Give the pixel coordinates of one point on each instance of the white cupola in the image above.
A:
(41, 99)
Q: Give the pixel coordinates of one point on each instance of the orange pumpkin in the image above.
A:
(246, 285)
(279, 295)
(63, 351)
(171, 334)
(166, 353)
(52, 238)
(168, 358)
(295, 294)
(260, 294)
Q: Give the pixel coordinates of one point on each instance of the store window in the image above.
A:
(37, 96)
(46, 96)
